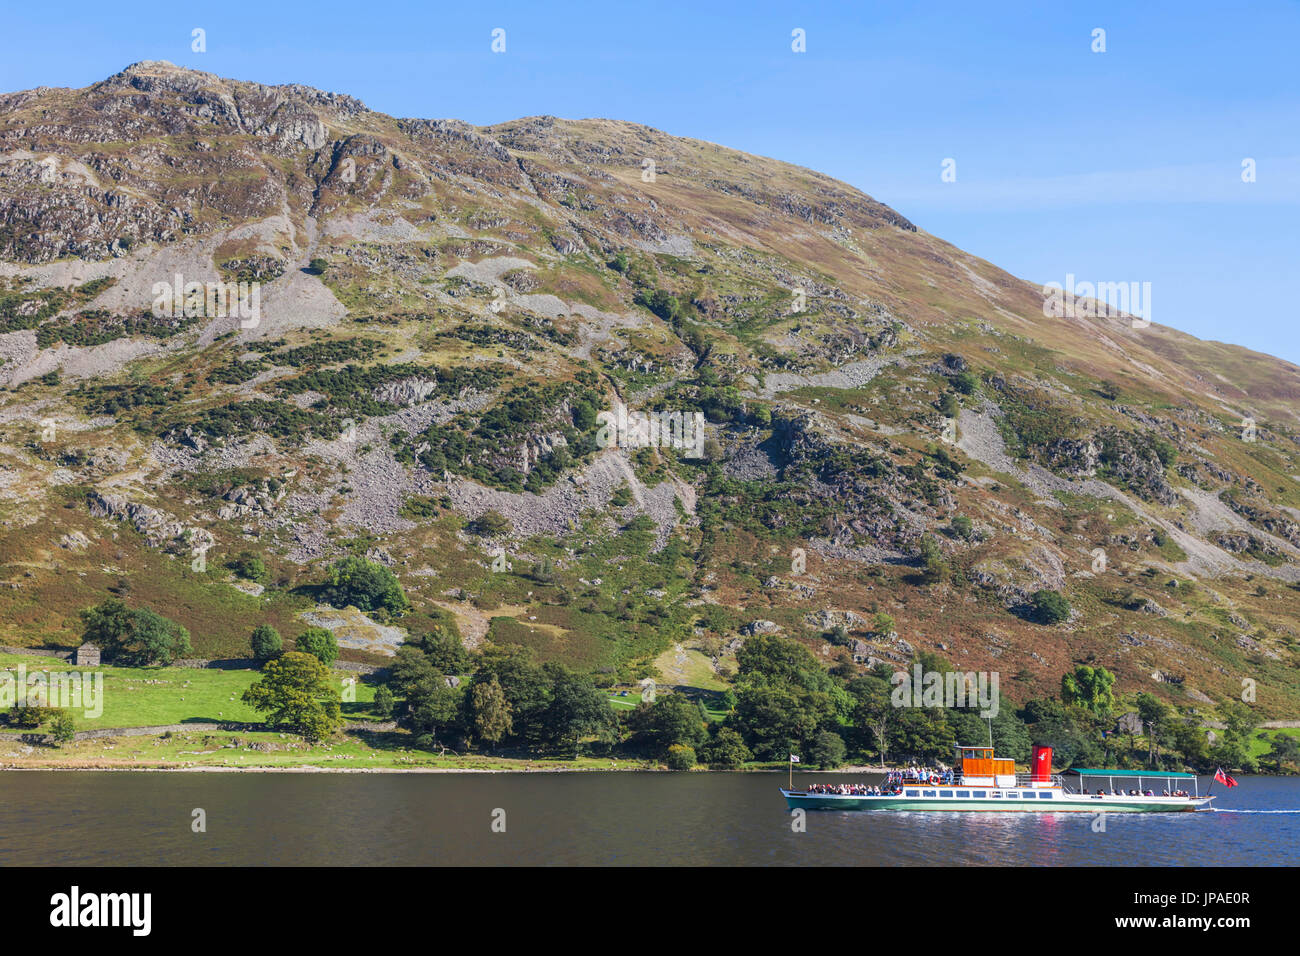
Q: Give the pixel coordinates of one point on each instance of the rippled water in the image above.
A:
(75, 818)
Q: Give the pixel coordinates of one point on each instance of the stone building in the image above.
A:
(87, 655)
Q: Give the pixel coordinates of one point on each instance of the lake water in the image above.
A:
(319, 819)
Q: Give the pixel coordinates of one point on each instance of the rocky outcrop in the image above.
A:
(158, 527)
(1135, 462)
(1074, 458)
(248, 501)
(406, 392)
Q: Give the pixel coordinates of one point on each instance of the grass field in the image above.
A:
(277, 751)
(156, 696)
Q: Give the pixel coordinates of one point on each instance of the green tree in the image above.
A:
(681, 757)
(134, 638)
(383, 705)
(1157, 719)
(873, 715)
(490, 711)
(773, 720)
(28, 717)
(1050, 607)
(674, 719)
(726, 751)
(962, 527)
(662, 303)
(62, 727)
(1232, 754)
(320, 643)
(1284, 752)
(266, 642)
(527, 688)
(576, 710)
(366, 585)
(442, 646)
(768, 660)
(1010, 736)
(922, 734)
(827, 750)
(933, 565)
(1071, 732)
(409, 667)
(298, 695)
(490, 524)
(1188, 738)
(966, 382)
(1090, 688)
(250, 567)
(1240, 720)
(433, 709)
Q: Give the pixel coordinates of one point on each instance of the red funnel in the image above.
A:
(1042, 764)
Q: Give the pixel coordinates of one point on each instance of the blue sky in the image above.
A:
(1117, 166)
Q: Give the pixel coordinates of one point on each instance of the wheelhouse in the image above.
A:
(979, 768)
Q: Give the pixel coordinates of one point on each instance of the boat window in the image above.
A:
(927, 793)
(1045, 795)
(945, 793)
(980, 794)
(1012, 795)
(963, 793)
(913, 793)
(995, 794)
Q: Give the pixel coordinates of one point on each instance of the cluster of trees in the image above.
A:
(58, 722)
(365, 585)
(507, 701)
(783, 701)
(319, 642)
(133, 637)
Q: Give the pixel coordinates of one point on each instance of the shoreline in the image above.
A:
(143, 768)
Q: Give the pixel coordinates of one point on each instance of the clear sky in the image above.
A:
(1117, 166)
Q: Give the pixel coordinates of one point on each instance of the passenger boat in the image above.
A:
(986, 783)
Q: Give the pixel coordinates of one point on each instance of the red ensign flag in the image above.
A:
(1223, 778)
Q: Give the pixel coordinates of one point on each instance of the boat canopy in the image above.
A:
(1134, 773)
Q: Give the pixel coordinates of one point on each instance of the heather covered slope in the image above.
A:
(444, 309)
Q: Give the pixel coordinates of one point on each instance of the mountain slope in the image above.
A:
(443, 311)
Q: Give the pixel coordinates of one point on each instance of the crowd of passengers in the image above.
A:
(852, 789)
(928, 775)
(894, 782)
(1137, 793)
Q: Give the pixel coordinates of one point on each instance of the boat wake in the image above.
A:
(1217, 810)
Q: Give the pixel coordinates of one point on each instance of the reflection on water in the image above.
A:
(586, 818)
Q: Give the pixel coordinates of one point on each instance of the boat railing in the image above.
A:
(1022, 780)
